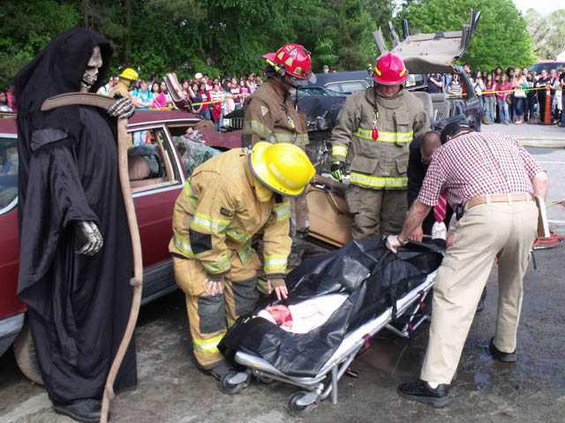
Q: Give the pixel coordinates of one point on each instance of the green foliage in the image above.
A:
(501, 38)
(548, 33)
(218, 37)
(26, 28)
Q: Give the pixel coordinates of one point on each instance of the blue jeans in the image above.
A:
(519, 104)
(503, 109)
(490, 109)
(205, 113)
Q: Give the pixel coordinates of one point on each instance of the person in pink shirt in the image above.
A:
(235, 91)
(503, 90)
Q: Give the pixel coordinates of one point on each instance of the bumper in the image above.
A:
(9, 329)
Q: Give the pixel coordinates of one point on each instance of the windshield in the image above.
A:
(8, 171)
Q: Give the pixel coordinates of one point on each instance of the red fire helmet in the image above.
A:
(390, 70)
(295, 61)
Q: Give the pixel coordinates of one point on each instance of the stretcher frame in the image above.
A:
(319, 388)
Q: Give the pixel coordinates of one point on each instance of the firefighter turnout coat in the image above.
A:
(222, 206)
(270, 115)
(120, 88)
(216, 215)
(373, 134)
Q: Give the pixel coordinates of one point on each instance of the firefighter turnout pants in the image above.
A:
(485, 232)
(375, 212)
(210, 316)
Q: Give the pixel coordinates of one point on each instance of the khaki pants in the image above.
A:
(487, 231)
(210, 316)
(375, 212)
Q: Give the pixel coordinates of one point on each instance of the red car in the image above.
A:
(158, 170)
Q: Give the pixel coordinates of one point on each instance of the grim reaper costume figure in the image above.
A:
(75, 249)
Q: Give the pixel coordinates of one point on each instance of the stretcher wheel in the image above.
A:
(303, 402)
(265, 379)
(234, 382)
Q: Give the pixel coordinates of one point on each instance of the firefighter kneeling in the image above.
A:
(228, 200)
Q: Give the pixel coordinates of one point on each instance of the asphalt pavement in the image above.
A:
(171, 389)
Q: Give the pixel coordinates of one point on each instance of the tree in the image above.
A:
(501, 38)
(548, 33)
(27, 27)
(218, 37)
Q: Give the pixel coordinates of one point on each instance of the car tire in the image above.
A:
(26, 356)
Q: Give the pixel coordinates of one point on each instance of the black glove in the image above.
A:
(337, 170)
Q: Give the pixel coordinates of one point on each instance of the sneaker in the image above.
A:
(501, 356)
(86, 411)
(422, 392)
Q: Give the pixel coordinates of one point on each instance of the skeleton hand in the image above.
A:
(122, 108)
(89, 239)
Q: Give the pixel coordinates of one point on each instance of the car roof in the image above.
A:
(141, 117)
(155, 116)
(213, 138)
(8, 123)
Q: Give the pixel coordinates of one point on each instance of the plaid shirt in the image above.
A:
(476, 164)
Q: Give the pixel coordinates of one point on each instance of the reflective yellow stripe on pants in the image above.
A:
(207, 345)
(378, 182)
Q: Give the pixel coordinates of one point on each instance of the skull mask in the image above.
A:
(92, 68)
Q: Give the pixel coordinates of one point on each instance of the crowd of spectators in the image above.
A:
(512, 96)
(211, 98)
(516, 95)
(7, 101)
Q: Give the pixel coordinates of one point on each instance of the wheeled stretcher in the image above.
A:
(409, 309)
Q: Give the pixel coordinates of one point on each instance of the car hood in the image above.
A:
(430, 53)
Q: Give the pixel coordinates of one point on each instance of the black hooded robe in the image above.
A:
(78, 306)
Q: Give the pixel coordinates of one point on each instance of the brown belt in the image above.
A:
(498, 198)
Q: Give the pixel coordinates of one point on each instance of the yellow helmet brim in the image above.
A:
(269, 175)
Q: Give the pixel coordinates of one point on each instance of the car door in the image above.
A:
(156, 180)
(9, 252)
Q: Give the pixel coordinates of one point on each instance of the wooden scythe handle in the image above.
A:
(137, 280)
(77, 99)
(104, 102)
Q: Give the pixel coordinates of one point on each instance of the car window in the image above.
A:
(150, 160)
(347, 87)
(8, 171)
(193, 150)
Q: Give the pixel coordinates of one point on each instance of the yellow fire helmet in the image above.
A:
(129, 74)
(283, 168)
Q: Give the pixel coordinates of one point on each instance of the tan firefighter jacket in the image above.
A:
(380, 163)
(220, 209)
(271, 116)
(121, 88)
